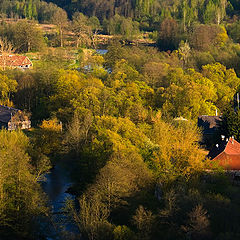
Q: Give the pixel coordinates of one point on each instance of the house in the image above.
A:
(15, 61)
(12, 119)
(227, 153)
(209, 126)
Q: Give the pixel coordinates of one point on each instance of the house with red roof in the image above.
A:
(15, 61)
(227, 153)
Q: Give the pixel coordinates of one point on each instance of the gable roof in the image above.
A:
(209, 123)
(6, 113)
(227, 153)
(14, 60)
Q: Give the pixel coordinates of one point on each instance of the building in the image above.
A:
(15, 61)
(227, 153)
(209, 126)
(12, 119)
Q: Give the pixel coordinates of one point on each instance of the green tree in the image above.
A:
(7, 87)
(189, 94)
(27, 37)
(225, 82)
(177, 154)
(230, 123)
(21, 198)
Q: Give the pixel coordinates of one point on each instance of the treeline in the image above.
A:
(30, 9)
(198, 10)
(207, 40)
(194, 21)
(149, 13)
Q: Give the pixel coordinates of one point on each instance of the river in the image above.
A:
(56, 185)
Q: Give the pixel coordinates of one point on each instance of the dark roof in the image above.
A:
(209, 124)
(6, 113)
(216, 150)
(227, 153)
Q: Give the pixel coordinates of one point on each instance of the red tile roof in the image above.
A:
(14, 61)
(227, 154)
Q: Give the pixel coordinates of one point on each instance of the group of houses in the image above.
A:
(12, 118)
(226, 152)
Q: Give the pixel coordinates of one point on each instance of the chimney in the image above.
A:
(232, 139)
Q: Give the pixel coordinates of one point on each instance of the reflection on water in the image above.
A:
(57, 183)
(101, 51)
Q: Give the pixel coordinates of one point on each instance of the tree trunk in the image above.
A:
(29, 46)
(61, 37)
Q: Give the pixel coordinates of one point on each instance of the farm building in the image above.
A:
(209, 126)
(227, 153)
(15, 61)
(12, 119)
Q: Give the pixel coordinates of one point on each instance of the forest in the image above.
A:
(114, 96)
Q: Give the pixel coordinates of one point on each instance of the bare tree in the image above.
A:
(80, 28)
(6, 49)
(85, 29)
(61, 20)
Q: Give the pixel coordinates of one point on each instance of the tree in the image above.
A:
(27, 37)
(205, 36)
(143, 219)
(155, 73)
(230, 123)
(6, 49)
(7, 87)
(91, 218)
(225, 82)
(78, 131)
(26, 91)
(123, 233)
(168, 37)
(198, 227)
(49, 139)
(61, 20)
(189, 94)
(120, 25)
(95, 26)
(177, 154)
(234, 31)
(21, 198)
(184, 51)
(80, 28)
